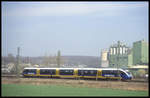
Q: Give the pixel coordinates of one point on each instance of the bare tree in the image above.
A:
(11, 58)
(46, 60)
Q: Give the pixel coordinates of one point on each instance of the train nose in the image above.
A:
(130, 77)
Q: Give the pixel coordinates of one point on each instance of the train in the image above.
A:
(97, 73)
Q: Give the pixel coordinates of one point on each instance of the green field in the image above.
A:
(57, 90)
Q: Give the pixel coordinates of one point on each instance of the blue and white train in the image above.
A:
(98, 73)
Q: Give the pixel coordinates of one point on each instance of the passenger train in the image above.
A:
(97, 73)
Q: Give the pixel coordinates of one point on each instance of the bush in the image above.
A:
(141, 73)
(138, 73)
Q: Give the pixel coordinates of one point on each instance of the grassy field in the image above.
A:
(57, 90)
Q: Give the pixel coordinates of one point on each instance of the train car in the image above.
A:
(114, 73)
(98, 73)
(40, 72)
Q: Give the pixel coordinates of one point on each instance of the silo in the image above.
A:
(104, 55)
(104, 58)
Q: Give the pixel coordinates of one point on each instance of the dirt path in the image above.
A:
(142, 86)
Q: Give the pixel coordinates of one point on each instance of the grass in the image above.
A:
(57, 90)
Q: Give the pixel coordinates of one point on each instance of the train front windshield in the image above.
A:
(129, 73)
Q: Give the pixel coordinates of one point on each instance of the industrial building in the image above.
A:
(118, 55)
(140, 53)
(121, 56)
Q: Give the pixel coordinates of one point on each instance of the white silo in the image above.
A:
(104, 58)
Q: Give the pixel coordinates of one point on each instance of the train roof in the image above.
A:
(78, 68)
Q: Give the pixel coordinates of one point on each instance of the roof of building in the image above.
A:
(139, 66)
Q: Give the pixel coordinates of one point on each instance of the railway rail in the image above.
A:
(133, 80)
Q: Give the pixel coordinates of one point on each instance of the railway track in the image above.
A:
(12, 76)
(133, 80)
(136, 80)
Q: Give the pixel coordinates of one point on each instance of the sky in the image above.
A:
(74, 28)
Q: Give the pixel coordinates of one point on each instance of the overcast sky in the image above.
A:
(74, 28)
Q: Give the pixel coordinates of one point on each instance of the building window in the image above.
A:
(114, 51)
(120, 50)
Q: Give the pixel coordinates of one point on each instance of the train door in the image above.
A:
(75, 73)
(99, 74)
(38, 72)
(57, 73)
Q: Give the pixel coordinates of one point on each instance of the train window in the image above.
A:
(110, 72)
(106, 72)
(31, 71)
(25, 71)
(87, 72)
(91, 71)
(115, 72)
(80, 72)
(48, 71)
(121, 72)
(66, 72)
(44, 71)
(53, 71)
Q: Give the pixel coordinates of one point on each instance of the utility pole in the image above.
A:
(17, 65)
(58, 59)
(118, 51)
